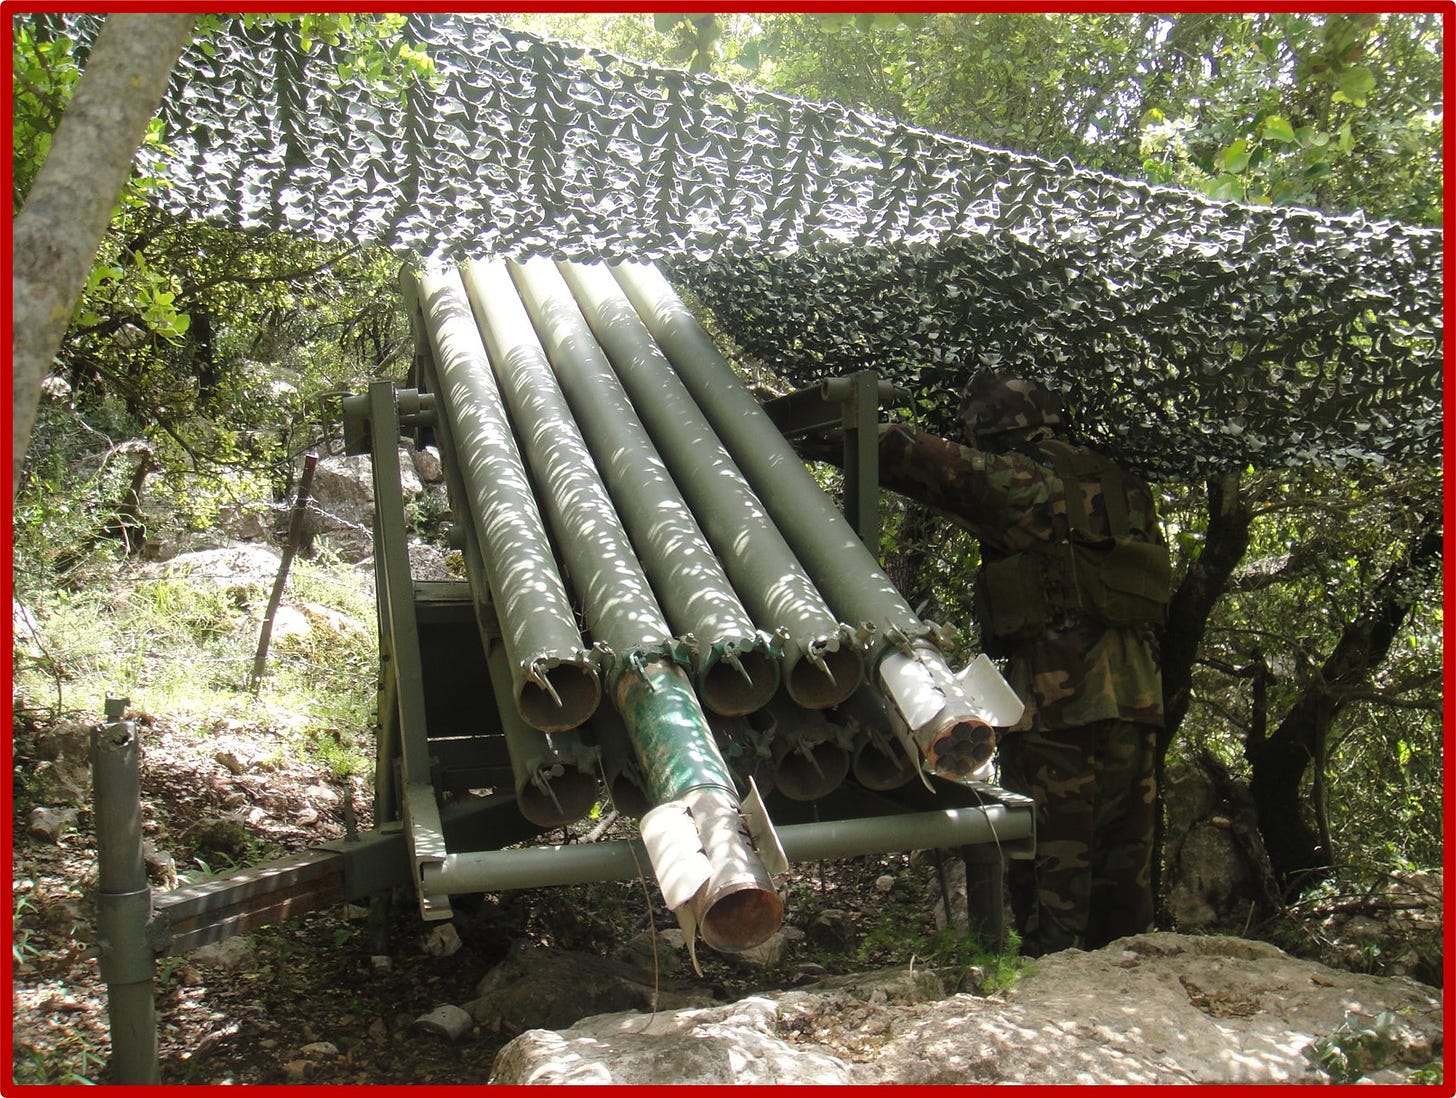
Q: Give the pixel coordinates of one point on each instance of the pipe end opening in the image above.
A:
(628, 798)
(572, 796)
(725, 690)
(881, 768)
(744, 917)
(579, 693)
(807, 778)
(813, 687)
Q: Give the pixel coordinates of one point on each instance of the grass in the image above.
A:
(183, 646)
(902, 935)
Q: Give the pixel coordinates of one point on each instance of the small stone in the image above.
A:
(49, 824)
(770, 952)
(320, 1048)
(443, 941)
(295, 1070)
(884, 883)
(831, 929)
(807, 972)
(161, 865)
(230, 760)
(448, 1021)
(230, 955)
(321, 794)
(380, 962)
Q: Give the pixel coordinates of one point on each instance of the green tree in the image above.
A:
(86, 163)
(210, 343)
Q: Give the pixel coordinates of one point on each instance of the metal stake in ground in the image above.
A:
(295, 537)
(124, 900)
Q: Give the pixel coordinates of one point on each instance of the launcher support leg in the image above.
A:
(124, 901)
(986, 894)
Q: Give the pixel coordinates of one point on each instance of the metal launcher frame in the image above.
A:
(462, 773)
(808, 716)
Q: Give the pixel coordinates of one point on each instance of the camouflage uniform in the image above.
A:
(1093, 692)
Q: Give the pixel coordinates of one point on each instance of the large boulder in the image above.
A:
(246, 572)
(1216, 872)
(1152, 1009)
(342, 511)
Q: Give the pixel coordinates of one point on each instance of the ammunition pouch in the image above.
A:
(1121, 581)
(1117, 581)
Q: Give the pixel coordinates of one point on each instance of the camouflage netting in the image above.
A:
(1187, 334)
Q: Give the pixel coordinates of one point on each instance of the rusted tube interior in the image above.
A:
(735, 691)
(739, 908)
(823, 684)
(573, 696)
(741, 915)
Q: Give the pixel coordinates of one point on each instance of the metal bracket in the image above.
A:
(852, 405)
(395, 588)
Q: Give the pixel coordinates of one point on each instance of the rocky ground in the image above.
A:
(313, 1001)
(308, 1001)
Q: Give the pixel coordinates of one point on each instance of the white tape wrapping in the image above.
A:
(676, 852)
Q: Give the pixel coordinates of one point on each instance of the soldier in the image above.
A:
(1072, 591)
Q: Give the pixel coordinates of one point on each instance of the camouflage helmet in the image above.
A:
(993, 403)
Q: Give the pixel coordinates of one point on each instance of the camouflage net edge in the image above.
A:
(1189, 334)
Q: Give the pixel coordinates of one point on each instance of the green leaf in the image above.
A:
(663, 22)
(1278, 129)
(1354, 86)
(1235, 158)
(1225, 188)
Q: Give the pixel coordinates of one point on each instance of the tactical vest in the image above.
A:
(1119, 580)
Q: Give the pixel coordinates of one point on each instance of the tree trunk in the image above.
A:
(1279, 761)
(1229, 518)
(57, 232)
(1224, 545)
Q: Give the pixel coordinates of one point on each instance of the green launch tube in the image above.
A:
(705, 863)
(946, 722)
(822, 663)
(621, 610)
(554, 680)
(734, 669)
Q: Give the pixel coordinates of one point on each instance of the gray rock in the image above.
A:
(449, 1021)
(442, 941)
(427, 465)
(772, 951)
(1151, 1009)
(230, 955)
(49, 824)
(243, 570)
(551, 989)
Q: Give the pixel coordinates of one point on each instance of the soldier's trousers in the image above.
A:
(1090, 881)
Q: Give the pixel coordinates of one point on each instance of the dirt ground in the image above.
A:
(311, 1001)
(307, 1001)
